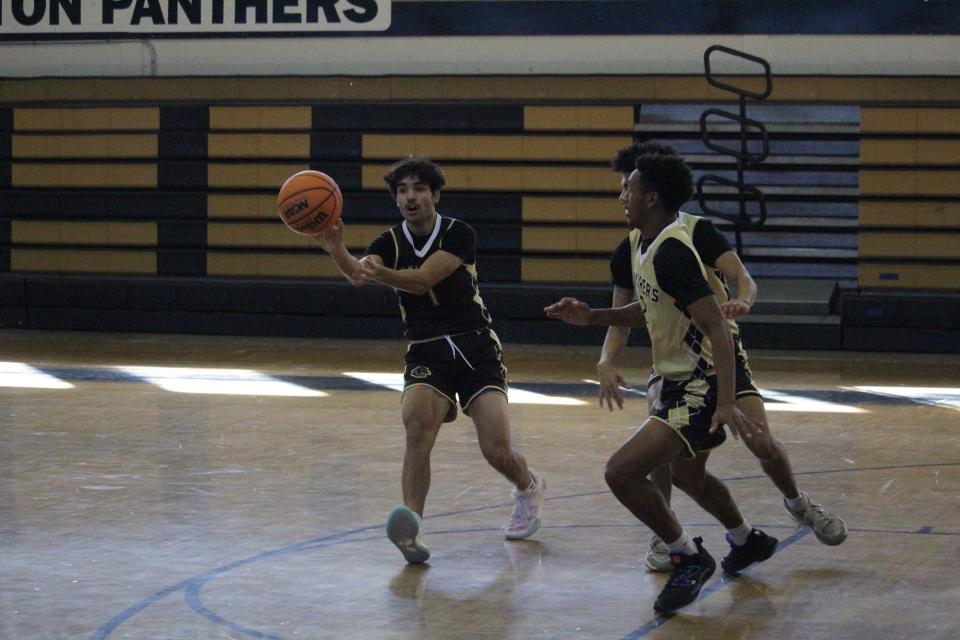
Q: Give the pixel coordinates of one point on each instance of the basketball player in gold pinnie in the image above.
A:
(453, 356)
(693, 352)
(723, 269)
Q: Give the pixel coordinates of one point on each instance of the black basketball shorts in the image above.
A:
(458, 367)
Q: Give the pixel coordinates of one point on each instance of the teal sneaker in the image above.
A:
(406, 532)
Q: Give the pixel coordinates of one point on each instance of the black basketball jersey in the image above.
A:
(453, 305)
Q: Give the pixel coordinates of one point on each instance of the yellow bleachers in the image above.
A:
(910, 190)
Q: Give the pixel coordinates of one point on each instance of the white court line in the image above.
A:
(514, 394)
(784, 402)
(789, 402)
(234, 382)
(940, 396)
(17, 374)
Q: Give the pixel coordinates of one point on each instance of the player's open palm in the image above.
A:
(610, 383)
(740, 423)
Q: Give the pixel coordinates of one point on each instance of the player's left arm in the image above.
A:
(416, 281)
(715, 251)
(736, 274)
(706, 314)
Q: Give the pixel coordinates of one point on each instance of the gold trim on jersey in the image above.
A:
(680, 349)
(396, 248)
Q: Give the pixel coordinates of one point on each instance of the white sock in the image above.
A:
(800, 503)
(740, 534)
(683, 545)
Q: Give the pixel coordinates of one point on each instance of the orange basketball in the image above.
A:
(309, 202)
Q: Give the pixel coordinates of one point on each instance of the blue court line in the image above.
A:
(192, 586)
(851, 469)
(120, 618)
(107, 629)
(192, 591)
(718, 584)
(194, 601)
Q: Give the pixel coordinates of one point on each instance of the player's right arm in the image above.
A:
(621, 275)
(680, 275)
(706, 314)
(613, 345)
(331, 241)
(573, 311)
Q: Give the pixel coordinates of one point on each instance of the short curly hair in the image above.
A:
(421, 168)
(626, 159)
(669, 176)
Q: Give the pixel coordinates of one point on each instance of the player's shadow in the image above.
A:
(410, 582)
(447, 599)
(749, 598)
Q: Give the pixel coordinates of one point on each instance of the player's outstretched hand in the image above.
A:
(331, 237)
(569, 310)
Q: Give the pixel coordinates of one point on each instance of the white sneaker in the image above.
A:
(658, 556)
(527, 506)
(829, 528)
(405, 530)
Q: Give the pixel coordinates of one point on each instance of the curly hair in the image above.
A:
(668, 175)
(626, 159)
(421, 168)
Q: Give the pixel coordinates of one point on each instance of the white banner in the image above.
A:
(176, 17)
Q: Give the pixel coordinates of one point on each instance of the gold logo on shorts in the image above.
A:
(420, 372)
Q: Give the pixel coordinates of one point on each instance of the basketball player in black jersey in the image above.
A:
(430, 260)
(719, 257)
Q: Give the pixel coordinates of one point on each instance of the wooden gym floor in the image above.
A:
(145, 495)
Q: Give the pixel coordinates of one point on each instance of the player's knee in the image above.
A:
(617, 475)
(765, 448)
(420, 432)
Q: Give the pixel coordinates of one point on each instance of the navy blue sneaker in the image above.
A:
(758, 547)
(690, 573)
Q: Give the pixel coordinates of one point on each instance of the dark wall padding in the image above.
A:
(901, 321)
(305, 308)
